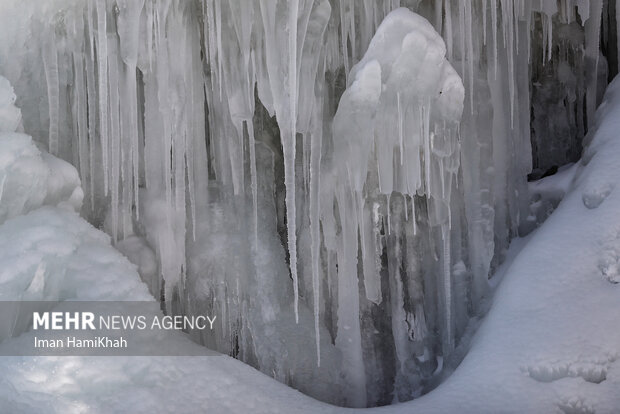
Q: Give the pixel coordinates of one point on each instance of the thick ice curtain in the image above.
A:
(304, 158)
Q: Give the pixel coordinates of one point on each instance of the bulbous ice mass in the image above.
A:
(404, 72)
(395, 130)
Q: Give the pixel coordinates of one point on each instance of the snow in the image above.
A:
(10, 115)
(28, 177)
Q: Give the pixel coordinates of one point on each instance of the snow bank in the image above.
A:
(52, 254)
(29, 178)
(550, 342)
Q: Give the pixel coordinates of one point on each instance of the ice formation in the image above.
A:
(563, 357)
(366, 217)
(395, 131)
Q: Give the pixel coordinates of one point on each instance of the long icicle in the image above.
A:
(316, 143)
(102, 62)
(50, 64)
(289, 151)
(254, 183)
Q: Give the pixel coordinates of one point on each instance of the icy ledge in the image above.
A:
(550, 342)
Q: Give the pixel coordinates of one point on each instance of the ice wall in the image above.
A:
(313, 170)
(562, 96)
(395, 133)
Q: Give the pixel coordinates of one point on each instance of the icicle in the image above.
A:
(427, 149)
(447, 286)
(508, 29)
(209, 27)
(91, 30)
(129, 30)
(102, 62)
(149, 32)
(92, 116)
(218, 28)
(344, 34)
(315, 185)
(288, 147)
(470, 53)
(592, 31)
(254, 184)
(494, 30)
(388, 213)
(413, 216)
(115, 135)
(448, 29)
(462, 37)
(400, 128)
(81, 117)
(550, 36)
(484, 22)
(397, 310)
(369, 223)
(348, 337)
(438, 15)
(352, 29)
(50, 63)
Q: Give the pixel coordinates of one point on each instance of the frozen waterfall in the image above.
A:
(335, 179)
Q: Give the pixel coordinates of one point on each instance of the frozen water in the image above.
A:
(549, 333)
(404, 102)
(358, 228)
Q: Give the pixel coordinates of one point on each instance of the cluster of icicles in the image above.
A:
(422, 177)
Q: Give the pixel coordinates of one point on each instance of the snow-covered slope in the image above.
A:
(550, 342)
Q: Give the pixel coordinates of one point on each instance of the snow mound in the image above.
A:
(29, 178)
(52, 254)
(10, 115)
